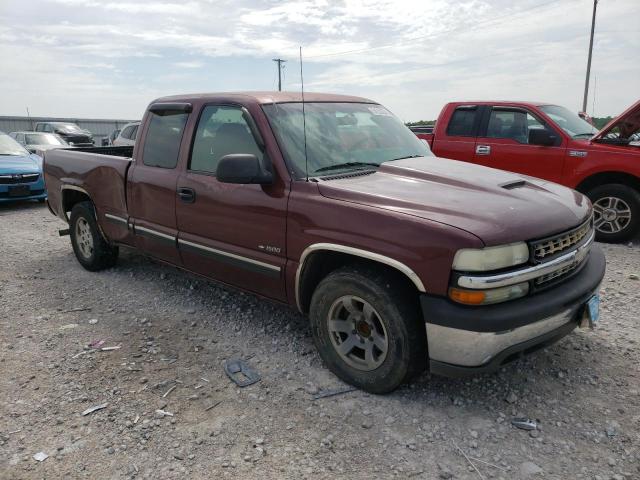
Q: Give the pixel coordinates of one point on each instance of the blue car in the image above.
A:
(21, 175)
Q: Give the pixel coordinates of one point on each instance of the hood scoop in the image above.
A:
(514, 185)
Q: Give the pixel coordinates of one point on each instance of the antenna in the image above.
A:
(304, 122)
(29, 118)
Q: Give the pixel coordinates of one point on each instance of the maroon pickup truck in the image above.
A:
(402, 261)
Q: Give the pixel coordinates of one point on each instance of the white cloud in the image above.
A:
(412, 55)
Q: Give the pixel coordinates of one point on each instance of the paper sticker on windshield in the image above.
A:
(380, 110)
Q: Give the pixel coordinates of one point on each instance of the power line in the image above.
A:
(280, 63)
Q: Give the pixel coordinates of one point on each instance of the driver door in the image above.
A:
(504, 143)
(233, 233)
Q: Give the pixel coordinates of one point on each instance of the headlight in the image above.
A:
(490, 258)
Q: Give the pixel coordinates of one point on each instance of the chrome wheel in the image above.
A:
(357, 333)
(611, 214)
(84, 238)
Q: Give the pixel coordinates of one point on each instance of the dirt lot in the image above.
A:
(176, 330)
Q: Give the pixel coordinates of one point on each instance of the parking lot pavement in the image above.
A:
(169, 411)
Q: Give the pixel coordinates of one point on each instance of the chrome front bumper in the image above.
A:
(466, 348)
(464, 339)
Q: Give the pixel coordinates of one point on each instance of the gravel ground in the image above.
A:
(175, 330)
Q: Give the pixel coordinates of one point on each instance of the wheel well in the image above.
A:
(608, 177)
(321, 263)
(71, 197)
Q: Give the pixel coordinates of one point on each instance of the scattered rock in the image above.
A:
(530, 469)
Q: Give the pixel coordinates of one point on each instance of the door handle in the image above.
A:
(187, 195)
(483, 149)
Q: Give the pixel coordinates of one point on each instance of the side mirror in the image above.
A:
(542, 137)
(242, 168)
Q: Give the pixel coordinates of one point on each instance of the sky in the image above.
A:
(110, 58)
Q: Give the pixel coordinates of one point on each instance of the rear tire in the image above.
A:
(616, 212)
(91, 248)
(368, 329)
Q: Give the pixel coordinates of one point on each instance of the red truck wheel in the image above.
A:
(367, 329)
(91, 249)
(616, 211)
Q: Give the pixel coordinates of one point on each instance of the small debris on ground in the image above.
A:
(524, 423)
(40, 456)
(241, 373)
(163, 413)
(333, 392)
(94, 409)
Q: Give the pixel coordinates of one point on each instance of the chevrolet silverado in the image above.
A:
(401, 260)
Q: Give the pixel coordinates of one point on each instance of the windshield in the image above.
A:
(8, 146)
(341, 136)
(67, 127)
(570, 122)
(43, 139)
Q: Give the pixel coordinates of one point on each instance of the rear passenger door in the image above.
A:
(504, 144)
(230, 232)
(152, 182)
(457, 141)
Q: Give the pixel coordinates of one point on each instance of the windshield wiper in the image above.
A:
(338, 166)
(583, 134)
(408, 156)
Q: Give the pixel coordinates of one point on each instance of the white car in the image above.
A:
(127, 135)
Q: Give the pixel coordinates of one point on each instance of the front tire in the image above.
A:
(91, 249)
(616, 210)
(367, 329)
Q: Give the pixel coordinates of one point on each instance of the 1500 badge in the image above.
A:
(269, 248)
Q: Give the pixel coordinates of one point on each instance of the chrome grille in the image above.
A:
(557, 274)
(12, 179)
(547, 248)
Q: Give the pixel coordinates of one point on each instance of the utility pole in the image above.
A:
(280, 62)
(586, 82)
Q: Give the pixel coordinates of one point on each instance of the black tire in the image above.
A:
(627, 197)
(398, 311)
(101, 255)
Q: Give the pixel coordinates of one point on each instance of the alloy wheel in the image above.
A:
(357, 333)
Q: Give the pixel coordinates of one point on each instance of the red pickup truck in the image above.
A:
(401, 260)
(550, 142)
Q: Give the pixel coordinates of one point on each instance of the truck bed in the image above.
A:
(98, 172)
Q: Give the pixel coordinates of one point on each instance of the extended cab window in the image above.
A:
(162, 143)
(513, 124)
(463, 121)
(222, 130)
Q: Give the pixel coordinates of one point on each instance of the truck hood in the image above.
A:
(628, 122)
(497, 206)
(20, 164)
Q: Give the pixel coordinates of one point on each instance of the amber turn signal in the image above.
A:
(469, 297)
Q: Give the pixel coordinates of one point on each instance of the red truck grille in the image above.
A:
(545, 249)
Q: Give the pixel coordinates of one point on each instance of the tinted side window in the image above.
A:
(134, 133)
(221, 131)
(126, 133)
(462, 122)
(513, 124)
(39, 127)
(162, 143)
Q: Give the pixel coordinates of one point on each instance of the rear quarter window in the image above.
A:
(162, 143)
(463, 121)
